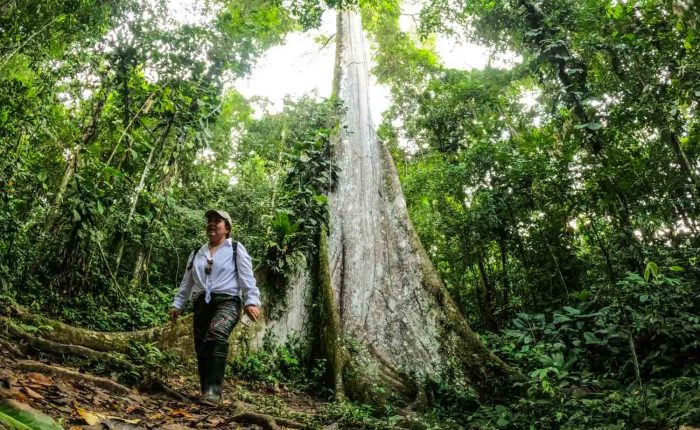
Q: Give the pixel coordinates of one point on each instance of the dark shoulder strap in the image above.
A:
(234, 246)
(194, 254)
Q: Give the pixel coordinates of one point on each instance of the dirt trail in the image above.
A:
(77, 400)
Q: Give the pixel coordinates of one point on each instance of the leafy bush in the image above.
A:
(302, 206)
(273, 363)
(151, 362)
(581, 360)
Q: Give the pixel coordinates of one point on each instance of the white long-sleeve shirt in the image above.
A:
(225, 278)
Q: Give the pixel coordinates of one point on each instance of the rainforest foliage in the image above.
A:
(558, 197)
(118, 130)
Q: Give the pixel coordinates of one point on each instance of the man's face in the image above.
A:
(216, 228)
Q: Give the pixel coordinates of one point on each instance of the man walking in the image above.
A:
(220, 277)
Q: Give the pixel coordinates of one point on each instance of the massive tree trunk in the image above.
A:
(395, 315)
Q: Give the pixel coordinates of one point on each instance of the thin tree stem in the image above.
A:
(29, 39)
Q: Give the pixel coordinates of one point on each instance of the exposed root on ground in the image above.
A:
(62, 372)
(267, 422)
(289, 423)
(264, 421)
(11, 349)
(164, 336)
(158, 386)
(43, 345)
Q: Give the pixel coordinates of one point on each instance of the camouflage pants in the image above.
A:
(214, 322)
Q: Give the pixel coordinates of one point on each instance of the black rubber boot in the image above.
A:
(202, 317)
(203, 371)
(215, 367)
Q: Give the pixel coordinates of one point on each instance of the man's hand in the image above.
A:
(174, 313)
(253, 312)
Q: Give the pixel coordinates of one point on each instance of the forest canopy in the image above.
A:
(558, 198)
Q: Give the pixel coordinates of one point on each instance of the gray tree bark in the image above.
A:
(396, 319)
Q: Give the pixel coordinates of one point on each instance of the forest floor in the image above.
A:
(42, 392)
(76, 400)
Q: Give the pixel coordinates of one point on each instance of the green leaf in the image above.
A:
(11, 423)
(651, 270)
(591, 339)
(111, 171)
(593, 125)
(18, 416)
(559, 318)
(571, 311)
(502, 422)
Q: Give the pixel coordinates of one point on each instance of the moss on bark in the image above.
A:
(329, 328)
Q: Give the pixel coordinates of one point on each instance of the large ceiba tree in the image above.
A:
(392, 308)
(372, 304)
